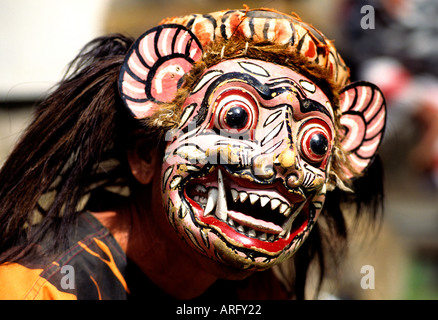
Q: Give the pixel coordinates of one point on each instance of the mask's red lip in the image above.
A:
(250, 220)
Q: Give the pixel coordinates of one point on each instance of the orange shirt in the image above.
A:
(93, 267)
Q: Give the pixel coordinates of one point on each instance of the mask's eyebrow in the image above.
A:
(306, 104)
(216, 79)
(309, 105)
(267, 91)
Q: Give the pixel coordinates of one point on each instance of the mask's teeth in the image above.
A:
(211, 201)
(264, 200)
(287, 212)
(221, 204)
(283, 208)
(275, 203)
(253, 198)
(234, 194)
(251, 233)
(287, 226)
(200, 188)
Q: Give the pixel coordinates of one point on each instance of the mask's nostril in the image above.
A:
(293, 181)
(292, 172)
(262, 167)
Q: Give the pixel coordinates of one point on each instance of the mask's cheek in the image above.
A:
(314, 179)
(179, 209)
(312, 209)
(314, 186)
(173, 175)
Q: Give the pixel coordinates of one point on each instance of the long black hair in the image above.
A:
(76, 130)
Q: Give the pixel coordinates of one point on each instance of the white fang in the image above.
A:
(211, 201)
(221, 205)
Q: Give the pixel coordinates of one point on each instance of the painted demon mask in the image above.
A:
(258, 143)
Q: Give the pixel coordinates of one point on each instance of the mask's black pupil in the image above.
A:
(236, 117)
(319, 144)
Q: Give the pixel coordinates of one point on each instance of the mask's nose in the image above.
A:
(284, 164)
(288, 166)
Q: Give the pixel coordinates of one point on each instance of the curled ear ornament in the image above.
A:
(154, 66)
(363, 120)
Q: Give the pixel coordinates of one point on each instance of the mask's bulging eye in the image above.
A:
(318, 144)
(236, 117)
(315, 137)
(236, 110)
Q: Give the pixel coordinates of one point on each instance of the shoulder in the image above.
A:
(92, 267)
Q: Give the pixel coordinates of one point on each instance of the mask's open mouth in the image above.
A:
(256, 215)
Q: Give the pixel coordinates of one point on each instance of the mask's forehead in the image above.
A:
(267, 79)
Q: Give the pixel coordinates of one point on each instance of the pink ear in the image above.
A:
(154, 65)
(363, 119)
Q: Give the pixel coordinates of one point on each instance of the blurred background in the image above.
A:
(392, 43)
